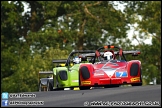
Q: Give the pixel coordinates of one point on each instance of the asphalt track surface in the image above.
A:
(150, 95)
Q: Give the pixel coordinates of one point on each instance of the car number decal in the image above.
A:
(121, 74)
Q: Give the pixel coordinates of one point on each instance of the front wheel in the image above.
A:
(137, 84)
(116, 85)
(71, 88)
(57, 87)
(107, 86)
(40, 87)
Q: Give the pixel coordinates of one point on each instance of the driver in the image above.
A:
(108, 56)
(76, 60)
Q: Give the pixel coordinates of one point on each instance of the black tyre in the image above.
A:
(111, 86)
(58, 89)
(49, 86)
(71, 88)
(84, 88)
(116, 85)
(40, 87)
(137, 84)
(107, 86)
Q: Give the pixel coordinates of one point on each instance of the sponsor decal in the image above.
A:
(135, 79)
(75, 80)
(98, 74)
(86, 82)
(121, 74)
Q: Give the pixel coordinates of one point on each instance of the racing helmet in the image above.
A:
(76, 60)
(108, 56)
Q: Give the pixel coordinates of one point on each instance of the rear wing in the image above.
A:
(133, 52)
(44, 72)
(63, 61)
(60, 62)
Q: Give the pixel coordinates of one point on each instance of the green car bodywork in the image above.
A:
(66, 76)
(72, 77)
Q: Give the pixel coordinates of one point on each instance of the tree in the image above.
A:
(10, 43)
(52, 29)
(148, 17)
(90, 20)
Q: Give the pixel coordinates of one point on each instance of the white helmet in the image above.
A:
(76, 60)
(108, 56)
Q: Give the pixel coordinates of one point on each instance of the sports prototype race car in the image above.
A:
(110, 68)
(65, 75)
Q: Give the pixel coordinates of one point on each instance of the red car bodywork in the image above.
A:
(111, 73)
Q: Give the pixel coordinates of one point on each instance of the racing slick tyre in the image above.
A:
(40, 87)
(84, 88)
(107, 86)
(111, 86)
(137, 84)
(71, 88)
(57, 89)
(49, 86)
(115, 85)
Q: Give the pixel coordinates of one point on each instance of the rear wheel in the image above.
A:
(71, 88)
(42, 87)
(49, 86)
(84, 88)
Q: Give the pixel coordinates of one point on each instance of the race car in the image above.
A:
(43, 81)
(110, 68)
(65, 75)
(44, 76)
